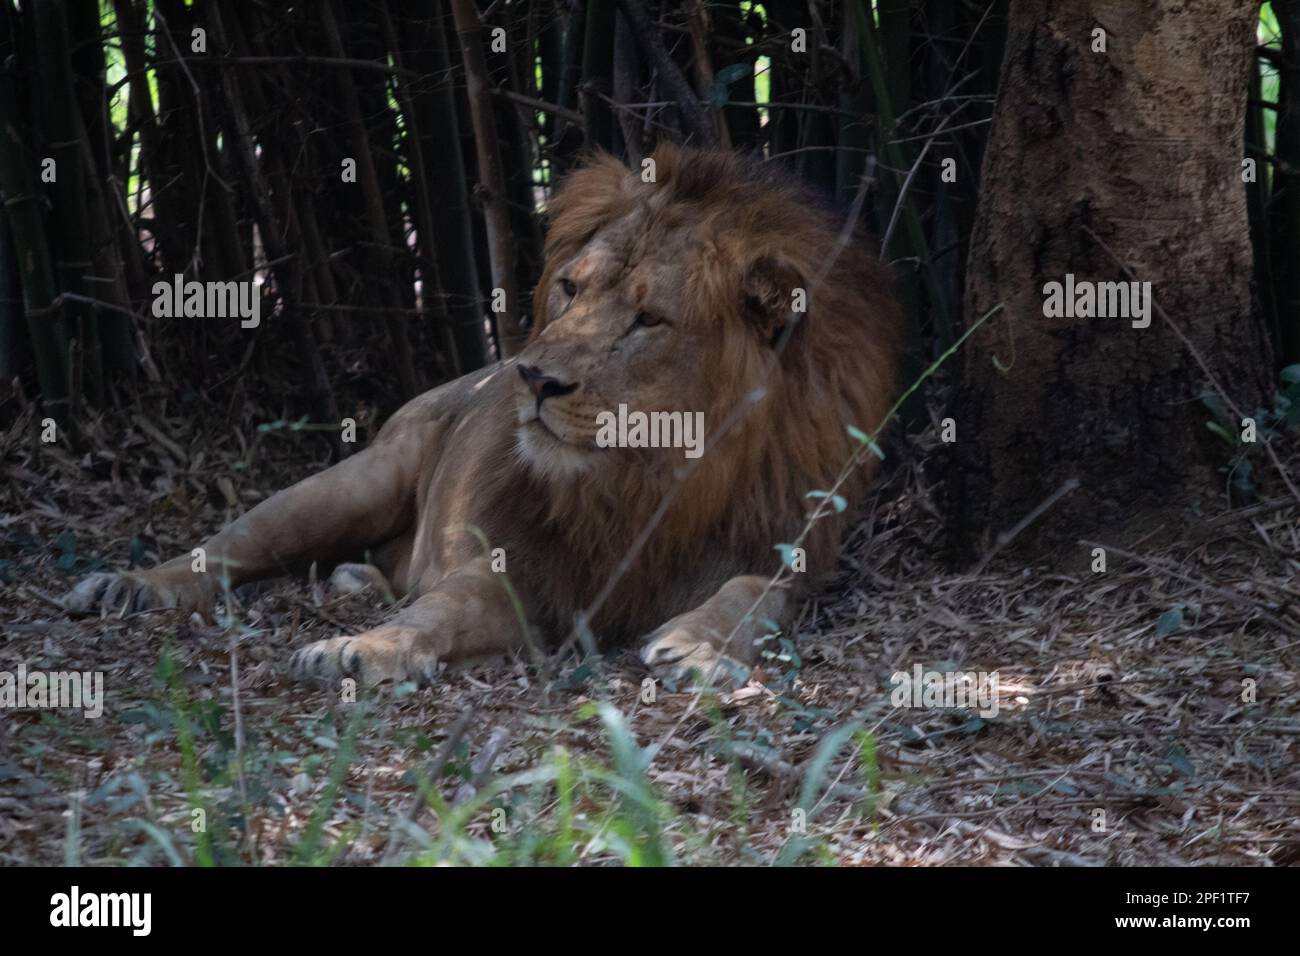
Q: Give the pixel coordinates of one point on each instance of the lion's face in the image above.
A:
(620, 330)
(692, 293)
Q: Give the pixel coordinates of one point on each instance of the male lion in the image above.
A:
(684, 294)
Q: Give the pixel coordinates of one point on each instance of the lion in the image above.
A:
(719, 287)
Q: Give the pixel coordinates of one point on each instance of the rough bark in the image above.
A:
(1137, 151)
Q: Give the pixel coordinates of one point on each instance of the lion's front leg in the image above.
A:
(359, 503)
(717, 641)
(468, 613)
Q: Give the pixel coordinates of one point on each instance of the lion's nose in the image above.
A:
(544, 386)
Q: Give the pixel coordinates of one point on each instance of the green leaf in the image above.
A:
(1222, 432)
(820, 763)
(837, 501)
(1177, 758)
(864, 439)
(791, 654)
(1170, 621)
(67, 544)
(1214, 403)
(158, 835)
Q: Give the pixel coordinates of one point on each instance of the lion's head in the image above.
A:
(719, 285)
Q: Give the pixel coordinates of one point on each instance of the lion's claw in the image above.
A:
(677, 653)
(370, 658)
(119, 593)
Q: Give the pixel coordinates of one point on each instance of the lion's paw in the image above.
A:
(370, 658)
(119, 593)
(675, 652)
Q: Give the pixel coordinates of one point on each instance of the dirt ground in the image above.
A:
(1146, 715)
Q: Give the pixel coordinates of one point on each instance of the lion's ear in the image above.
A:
(773, 296)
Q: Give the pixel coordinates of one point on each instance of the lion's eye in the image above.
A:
(570, 287)
(648, 319)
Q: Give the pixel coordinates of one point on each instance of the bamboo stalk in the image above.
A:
(11, 306)
(114, 253)
(60, 122)
(177, 172)
(853, 134)
(783, 124)
(513, 69)
(697, 124)
(1257, 204)
(18, 186)
(597, 79)
(697, 19)
(897, 157)
(434, 299)
(373, 200)
(731, 27)
(452, 241)
(627, 72)
(271, 233)
(501, 253)
(1285, 231)
(567, 137)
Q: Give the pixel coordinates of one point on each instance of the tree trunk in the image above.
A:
(1132, 154)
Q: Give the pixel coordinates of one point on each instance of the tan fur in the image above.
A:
(709, 254)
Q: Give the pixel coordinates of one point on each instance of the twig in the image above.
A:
(1234, 597)
(440, 762)
(239, 726)
(1263, 508)
(1006, 537)
(572, 116)
(481, 766)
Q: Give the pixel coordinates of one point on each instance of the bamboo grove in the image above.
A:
(143, 139)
